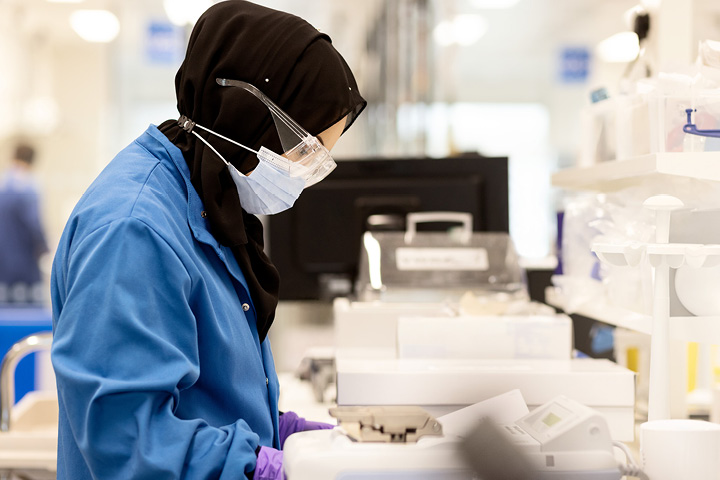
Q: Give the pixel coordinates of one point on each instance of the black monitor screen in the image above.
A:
(316, 244)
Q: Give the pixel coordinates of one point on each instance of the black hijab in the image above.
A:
(292, 63)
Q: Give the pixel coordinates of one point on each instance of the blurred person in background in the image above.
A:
(162, 293)
(22, 237)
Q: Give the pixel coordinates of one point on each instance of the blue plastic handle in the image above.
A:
(692, 129)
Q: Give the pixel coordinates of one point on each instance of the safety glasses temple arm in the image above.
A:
(284, 117)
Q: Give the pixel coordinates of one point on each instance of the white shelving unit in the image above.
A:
(619, 174)
(662, 328)
(663, 257)
(686, 329)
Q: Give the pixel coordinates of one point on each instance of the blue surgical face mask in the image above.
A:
(267, 190)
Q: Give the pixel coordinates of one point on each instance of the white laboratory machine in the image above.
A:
(441, 386)
(442, 320)
(565, 439)
(416, 266)
(412, 329)
(488, 336)
(415, 288)
(561, 439)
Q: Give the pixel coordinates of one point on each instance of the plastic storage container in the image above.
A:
(632, 126)
(668, 116)
(648, 122)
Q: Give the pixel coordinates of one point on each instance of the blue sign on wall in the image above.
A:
(165, 43)
(574, 64)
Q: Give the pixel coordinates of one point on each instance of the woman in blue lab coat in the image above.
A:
(162, 295)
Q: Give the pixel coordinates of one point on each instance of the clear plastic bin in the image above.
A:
(668, 117)
(629, 126)
(598, 133)
(632, 126)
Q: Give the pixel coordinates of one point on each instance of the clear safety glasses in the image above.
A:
(303, 155)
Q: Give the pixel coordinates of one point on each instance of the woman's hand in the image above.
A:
(269, 465)
(291, 423)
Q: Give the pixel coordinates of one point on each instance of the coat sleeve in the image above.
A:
(125, 346)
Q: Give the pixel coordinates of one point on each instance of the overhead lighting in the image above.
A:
(462, 30)
(444, 34)
(494, 4)
(620, 48)
(100, 26)
(185, 12)
(652, 4)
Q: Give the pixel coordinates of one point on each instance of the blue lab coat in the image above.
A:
(160, 371)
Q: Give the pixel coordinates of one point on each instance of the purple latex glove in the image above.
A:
(309, 425)
(269, 465)
(290, 423)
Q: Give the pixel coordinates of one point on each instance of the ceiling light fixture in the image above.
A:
(494, 4)
(619, 48)
(185, 12)
(651, 4)
(100, 26)
(462, 30)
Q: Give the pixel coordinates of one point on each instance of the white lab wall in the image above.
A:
(143, 88)
(519, 131)
(13, 61)
(71, 156)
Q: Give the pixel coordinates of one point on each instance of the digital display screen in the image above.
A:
(551, 419)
